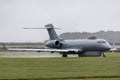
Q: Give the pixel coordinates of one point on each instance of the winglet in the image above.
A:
(4, 47)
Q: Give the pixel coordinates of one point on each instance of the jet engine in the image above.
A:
(54, 43)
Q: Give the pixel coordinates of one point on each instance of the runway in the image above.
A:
(31, 55)
(28, 55)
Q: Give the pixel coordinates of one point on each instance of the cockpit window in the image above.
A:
(101, 42)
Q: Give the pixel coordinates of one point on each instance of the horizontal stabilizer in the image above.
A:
(40, 28)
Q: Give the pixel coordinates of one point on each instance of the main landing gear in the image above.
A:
(64, 55)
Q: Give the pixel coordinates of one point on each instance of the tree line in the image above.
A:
(110, 36)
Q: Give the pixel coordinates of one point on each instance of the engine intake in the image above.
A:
(54, 43)
(57, 43)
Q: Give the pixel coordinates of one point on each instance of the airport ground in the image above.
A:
(46, 66)
(57, 68)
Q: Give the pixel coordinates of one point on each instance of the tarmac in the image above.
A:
(27, 55)
(31, 55)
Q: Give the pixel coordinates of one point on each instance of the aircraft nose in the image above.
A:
(108, 47)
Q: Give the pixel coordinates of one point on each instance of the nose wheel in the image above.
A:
(103, 54)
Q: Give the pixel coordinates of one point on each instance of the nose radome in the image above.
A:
(108, 46)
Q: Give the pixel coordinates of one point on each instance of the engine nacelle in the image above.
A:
(54, 43)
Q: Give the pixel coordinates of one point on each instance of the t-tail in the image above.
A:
(51, 31)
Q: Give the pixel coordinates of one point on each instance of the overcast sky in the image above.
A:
(70, 15)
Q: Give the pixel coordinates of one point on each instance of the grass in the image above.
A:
(88, 68)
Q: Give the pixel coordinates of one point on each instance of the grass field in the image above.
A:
(88, 68)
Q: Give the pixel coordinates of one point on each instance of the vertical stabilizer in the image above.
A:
(51, 31)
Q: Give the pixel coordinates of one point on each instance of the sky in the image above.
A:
(70, 15)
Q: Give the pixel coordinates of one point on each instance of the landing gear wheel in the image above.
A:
(103, 55)
(79, 55)
(64, 55)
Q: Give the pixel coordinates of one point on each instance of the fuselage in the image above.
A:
(84, 44)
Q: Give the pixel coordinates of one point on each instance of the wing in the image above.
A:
(44, 50)
(113, 49)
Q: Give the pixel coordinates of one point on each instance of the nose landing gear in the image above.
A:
(103, 54)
